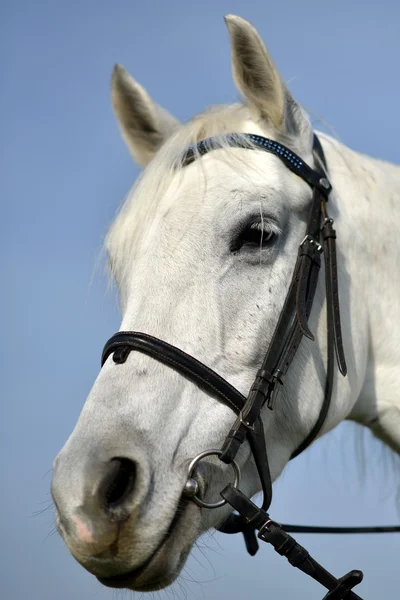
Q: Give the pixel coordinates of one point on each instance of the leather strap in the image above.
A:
(236, 523)
(332, 291)
(286, 339)
(249, 141)
(341, 530)
(123, 342)
(274, 534)
(293, 343)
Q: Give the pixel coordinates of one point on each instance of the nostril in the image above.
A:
(119, 483)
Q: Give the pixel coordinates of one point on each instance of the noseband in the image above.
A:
(319, 237)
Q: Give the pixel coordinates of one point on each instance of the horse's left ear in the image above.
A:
(144, 125)
(259, 81)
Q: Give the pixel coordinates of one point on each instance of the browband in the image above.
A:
(252, 141)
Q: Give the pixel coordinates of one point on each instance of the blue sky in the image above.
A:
(65, 171)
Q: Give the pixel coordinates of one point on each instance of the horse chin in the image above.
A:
(164, 564)
(159, 573)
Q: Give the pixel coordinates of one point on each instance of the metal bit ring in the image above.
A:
(191, 487)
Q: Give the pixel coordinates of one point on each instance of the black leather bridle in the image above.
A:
(319, 237)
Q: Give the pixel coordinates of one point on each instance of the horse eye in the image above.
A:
(254, 236)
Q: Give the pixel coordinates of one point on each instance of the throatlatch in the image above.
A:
(292, 325)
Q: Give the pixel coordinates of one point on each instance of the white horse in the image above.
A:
(203, 257)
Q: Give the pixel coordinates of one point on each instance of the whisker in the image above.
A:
(47, 472)
(42, 511)
(50, 534)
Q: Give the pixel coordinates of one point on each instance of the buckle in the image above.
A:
(313, 242)
(265, 529)
(326, 221)
(245, 423)
(278, 375)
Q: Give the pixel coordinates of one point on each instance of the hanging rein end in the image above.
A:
(250, 540)
(332, 291)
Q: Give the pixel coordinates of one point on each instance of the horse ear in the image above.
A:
(259, 81)
(144, 125)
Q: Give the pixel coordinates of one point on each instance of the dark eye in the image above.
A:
(255, 235)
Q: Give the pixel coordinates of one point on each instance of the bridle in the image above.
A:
(292, 325)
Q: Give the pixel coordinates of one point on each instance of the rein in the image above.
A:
(319, 237)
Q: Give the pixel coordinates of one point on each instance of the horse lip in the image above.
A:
(125, 579)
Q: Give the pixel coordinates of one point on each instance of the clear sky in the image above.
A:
(64, 172)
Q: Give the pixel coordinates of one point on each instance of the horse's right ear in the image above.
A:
(260, 83)
(144, 125)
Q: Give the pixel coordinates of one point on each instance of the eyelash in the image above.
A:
(256, 234)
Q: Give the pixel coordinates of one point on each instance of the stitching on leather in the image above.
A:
(171, 361)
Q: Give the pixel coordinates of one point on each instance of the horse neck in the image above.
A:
(366, 189)
(366, 206)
